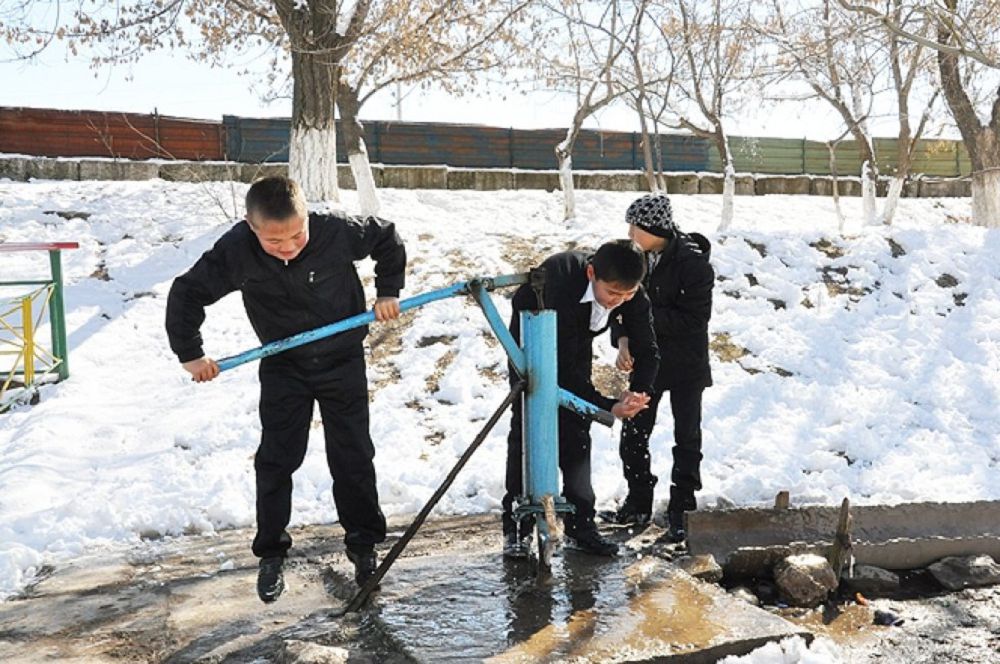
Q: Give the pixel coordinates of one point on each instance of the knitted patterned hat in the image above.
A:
(652, 213)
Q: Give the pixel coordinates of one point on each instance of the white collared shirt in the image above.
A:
(598, 314)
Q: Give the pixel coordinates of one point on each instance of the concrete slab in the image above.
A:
(906, 536)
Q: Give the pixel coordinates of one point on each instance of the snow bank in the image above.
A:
(867, 365)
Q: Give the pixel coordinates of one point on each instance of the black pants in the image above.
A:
(574, 462)
(685, 478)
(287, 392)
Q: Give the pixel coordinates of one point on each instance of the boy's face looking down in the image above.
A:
(610, 294)
(282, 238)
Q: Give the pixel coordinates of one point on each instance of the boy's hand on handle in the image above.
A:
(386, 308)
(629, 404)
(202, 370)
(624, 361)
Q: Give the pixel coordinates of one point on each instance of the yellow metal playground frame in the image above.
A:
(22, 315)
(20, 341)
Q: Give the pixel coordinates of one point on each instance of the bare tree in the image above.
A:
(909, 63)
(447, 42)
(709, 58)
(594, 36)
(838, 65)
(966, 38)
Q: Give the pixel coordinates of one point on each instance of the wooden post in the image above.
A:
(840, 551)
(782, 500)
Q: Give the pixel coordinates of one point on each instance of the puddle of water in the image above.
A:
(478, 605)
(846, 625)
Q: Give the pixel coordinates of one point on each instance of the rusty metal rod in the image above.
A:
(364, 591)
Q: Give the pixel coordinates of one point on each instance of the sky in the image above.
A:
(174, 85)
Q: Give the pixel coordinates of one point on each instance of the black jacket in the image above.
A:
(680, 290)
(565, 284)
(317, 287)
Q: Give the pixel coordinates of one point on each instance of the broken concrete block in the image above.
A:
(872, 581)
(805, 579)
(304, 652)
(701, 567)
(957, 572)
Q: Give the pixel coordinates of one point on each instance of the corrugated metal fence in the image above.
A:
(53, 133)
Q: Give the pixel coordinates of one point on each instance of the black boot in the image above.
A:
(516, 547)
(365, 564)
(637, 509)
(675, 527)
(592, 542)
(681, 501)
(270, 579)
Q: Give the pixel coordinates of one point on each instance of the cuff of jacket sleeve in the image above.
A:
(190, 355)
(387, 292)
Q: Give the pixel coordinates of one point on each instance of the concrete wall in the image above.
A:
(444, 177)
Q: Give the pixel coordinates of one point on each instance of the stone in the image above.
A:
(52, 169)
(872, 581)
(14, 168)
(682, 183)
(415, 177)
(745, 185)
(547, 180)
(957, 572)
(745, 594)
(304, 652)
(783, 184)
(701, 567)
(709, 183)
(253, 172)
(805, 580)
(196, 171)
(104, 169)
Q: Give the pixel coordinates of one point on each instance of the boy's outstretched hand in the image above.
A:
(386, 308)
(202, 370)
(629, 404)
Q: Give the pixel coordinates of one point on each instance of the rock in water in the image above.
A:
(805, 580)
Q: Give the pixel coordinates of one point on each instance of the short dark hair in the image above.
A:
(620, 262)
(275, 198)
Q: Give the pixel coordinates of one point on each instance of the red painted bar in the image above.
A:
(37, 246)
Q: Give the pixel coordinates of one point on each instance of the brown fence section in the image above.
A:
(56, 133)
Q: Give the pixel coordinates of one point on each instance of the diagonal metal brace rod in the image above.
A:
(302, 338)
(359, 598)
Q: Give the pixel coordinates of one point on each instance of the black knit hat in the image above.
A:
(653, 214)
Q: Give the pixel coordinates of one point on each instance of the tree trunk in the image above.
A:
(832, 147)
(869, 179)
(892, 199)
(986, 198)
(357, 152)
(566, 183)
(312, 148)
(647, 152)
(981, 141)
(729, 178)
(564, 155)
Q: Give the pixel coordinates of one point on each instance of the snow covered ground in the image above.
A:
(865, 365)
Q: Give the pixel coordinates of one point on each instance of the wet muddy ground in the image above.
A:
(449, 598)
